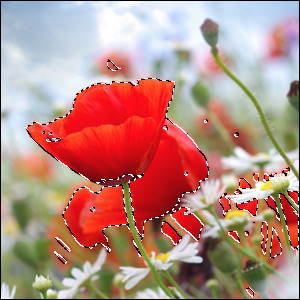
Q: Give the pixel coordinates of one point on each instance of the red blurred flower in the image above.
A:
(283, 37)
(177, 168)
(33, 164)
(112, 133)
(121, 60)
(207, 128)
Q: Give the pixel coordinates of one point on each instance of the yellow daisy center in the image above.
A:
(267, 186)
(234, 213)
(163, 257)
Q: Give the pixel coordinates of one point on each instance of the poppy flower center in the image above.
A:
(163, 257)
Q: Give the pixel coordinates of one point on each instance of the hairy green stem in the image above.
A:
(202, 218)
(220, 63)
(97, 292)
(173, 282)
(138, 241)
(288, 198)
(220, 128)
(282, 219)
(239, 283)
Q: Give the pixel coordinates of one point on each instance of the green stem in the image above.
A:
(282, 219)
(242, 237)
(243, 250)
(239, 283)
(138, 241)
(220, 128)
(173, 282)
(202, 218)
(97, 292)
(257, 106)
(288, 198)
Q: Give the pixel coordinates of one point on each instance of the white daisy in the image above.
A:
(206, 197)
(242, 161)
(5, 293)
(184, 252)
(277, 183)
(234, 219)
(88, 273)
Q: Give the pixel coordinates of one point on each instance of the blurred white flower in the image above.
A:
(155, 294)
(234, 219)
(81, 277)
(230, 181)
(206, 197)
(277, 183)
(242, 161)
(5, 293)
(184, 252)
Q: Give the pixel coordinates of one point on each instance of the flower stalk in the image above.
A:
(282, 219)
(244, 251)
(175, 284)
(220, 63)
(138, 241)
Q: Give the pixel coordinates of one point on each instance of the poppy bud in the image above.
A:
(24, 250)
(201, 94)
(293, 94)
(222, 256)
(41, 247)
(210, 31)
(255, 275)
(22, 212)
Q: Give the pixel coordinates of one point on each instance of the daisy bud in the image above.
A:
(268, 214)
(201, 94)
(255, 275)
(51, 294)
(118, 280)
(210, 31)
(222, 256)
(293, 94)
(42, 284)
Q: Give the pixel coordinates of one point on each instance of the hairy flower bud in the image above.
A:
(210, 31)
(222, 256)
(255, 275)
(293, 94)
(201, 94)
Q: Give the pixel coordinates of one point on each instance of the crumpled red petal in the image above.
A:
(177, 168)
(113, 131)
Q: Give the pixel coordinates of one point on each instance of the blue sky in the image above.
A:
(52, 45)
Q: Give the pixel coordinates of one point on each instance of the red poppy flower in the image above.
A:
(177, 168)
(112, 133)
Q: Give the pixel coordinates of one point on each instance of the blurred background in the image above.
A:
(51, 50)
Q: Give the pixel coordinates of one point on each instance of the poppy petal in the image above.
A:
(158, 191)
